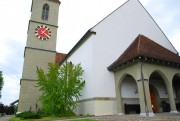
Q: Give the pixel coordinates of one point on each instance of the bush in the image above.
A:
(1, 108)
(61, 88)
(43, 113)
(67, 113)
(28, 115)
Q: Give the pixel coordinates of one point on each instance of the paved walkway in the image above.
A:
(135, 117)
(5, 118)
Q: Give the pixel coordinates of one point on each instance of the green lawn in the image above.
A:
(42, 119)
(48, 118)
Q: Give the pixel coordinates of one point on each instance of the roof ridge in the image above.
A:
(139, 42)
(110, 13)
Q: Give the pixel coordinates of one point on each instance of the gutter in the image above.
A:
(142, 79)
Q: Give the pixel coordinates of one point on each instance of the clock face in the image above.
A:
(43, 32)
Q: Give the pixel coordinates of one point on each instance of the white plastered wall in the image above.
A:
(113, 35)
(84, 56)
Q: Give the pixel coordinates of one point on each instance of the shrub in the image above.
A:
(67, 113)
(61, 88)
(28, 115)
(43, 113)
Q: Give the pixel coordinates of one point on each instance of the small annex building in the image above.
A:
(129, 65)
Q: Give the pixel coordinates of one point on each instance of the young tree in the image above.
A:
(61, 87)
(1, 82)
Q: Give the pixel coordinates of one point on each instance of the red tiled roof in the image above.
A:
(145, 47)
(59, 57)
(56, 1)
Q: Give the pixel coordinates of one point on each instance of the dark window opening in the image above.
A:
(45, 12)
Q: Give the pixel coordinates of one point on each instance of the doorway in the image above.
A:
(154, 100)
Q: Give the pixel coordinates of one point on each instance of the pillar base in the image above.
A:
(18, 112)
(120, 114)
(175, 111)
(150, 114)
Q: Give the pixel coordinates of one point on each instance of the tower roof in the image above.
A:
(59, 57)
(56, 1)
(145, 47)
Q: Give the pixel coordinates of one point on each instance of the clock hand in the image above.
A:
(44, 31)
(47, 35)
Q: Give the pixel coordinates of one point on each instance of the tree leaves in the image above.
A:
(61, 87)
(1, 82)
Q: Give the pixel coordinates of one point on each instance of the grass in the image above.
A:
(42, 119)
(49, 118)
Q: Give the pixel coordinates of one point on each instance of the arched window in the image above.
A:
(45, 12)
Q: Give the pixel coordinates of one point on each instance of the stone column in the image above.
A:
(171, 99)
(141, 97)
(148, 97)
(145, 104)
(119, 102)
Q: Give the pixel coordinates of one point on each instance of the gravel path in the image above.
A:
(5, 118)
(135, 117)
(157, 117)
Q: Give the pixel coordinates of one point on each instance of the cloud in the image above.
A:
(10, 90)
(167, 15)
(11, 66)
(14, 24)
(145, 2)
(5, 52)
(12, 52)
(175, 39)
(14, 20)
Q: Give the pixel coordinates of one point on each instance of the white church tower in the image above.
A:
(39, 51)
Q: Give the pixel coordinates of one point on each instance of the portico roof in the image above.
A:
(144, 47)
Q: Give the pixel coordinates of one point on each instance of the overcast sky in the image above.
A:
(75, 18)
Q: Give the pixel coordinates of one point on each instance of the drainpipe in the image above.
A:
(142, 79)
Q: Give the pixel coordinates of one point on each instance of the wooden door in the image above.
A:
(154, 100)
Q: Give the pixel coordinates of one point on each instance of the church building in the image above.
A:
(130, 66)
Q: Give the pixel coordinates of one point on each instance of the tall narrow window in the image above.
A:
(45, 12)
